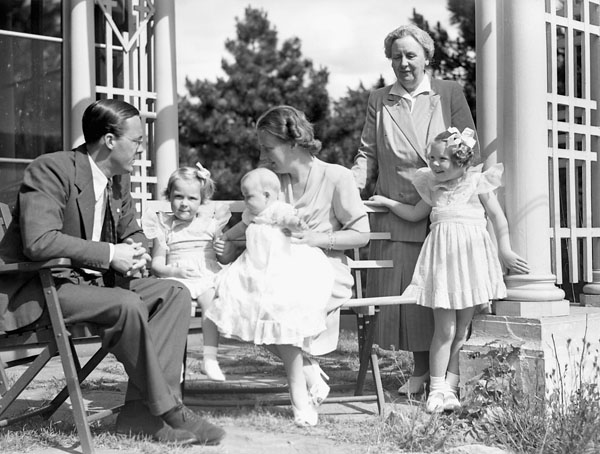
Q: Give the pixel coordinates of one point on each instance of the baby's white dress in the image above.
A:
(276, 291)
(458, 266)
(189, 244)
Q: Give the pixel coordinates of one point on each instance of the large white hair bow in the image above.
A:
(467, 137)
(202, 172)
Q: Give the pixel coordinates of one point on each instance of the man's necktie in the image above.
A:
(109, 231)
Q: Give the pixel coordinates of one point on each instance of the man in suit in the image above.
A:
(77, 204)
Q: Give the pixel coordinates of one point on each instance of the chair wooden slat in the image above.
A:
(36, 346)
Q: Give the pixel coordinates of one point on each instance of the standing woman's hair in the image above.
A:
(289, 125)
(420, 36)
(188, 173)
(106, 116)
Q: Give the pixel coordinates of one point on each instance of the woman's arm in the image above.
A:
(365, 161)
(340, 240)
(411, 213)
(508, 257)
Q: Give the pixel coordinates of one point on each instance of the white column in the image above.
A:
(81, 64)
(166, 128)
(522, 87)
(486, 39)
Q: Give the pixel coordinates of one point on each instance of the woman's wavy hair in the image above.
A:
(421, 36)
(289, 125)
(189, 173)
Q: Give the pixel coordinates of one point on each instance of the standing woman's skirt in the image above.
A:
(407, 327)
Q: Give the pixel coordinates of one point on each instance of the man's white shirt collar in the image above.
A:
(98, 178)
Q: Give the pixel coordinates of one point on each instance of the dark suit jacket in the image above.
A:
(53, 218)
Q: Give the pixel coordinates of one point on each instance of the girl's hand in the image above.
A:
(219, 245)
(379, 200)
(225, 250)
(514, 262)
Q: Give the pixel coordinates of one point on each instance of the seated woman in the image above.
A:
(333, 219)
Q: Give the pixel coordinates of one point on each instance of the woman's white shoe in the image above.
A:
(305, 418)
(319, 390)
(414, 385)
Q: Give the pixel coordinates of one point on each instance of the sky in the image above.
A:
(344, 36)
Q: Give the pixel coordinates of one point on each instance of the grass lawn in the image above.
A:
(501, 417)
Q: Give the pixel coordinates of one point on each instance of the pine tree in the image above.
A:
(217, 119)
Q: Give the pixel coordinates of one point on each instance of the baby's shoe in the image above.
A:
(435, 402)
(210, 368)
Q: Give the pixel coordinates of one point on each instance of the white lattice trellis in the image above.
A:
(573, 51)
(128, 51)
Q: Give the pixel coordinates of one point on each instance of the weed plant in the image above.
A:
(496, 412)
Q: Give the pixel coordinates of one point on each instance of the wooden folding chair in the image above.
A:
(38, 345)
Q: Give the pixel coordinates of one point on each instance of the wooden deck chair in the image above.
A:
(38, 345)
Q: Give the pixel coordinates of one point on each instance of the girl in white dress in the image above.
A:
(276, 292)
(183, 246)
(458, 267)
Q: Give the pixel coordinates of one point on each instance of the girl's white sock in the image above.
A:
(452, 379)
(209, 353)
(436, 384)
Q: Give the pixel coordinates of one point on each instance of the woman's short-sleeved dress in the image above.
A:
(458, 266)
(276, 291)
(330, 202)
(189, 244)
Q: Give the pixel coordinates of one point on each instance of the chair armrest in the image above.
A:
(29, 267)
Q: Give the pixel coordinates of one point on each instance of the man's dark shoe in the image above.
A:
(182, 418)
(135, 419)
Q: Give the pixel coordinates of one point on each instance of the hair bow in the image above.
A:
(467, 137)
(202, 172)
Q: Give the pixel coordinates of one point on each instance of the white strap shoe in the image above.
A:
(319, 390)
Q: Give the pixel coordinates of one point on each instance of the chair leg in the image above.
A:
(34, 368)
(83, 373)
(365, 347)
(66, 356)
(3, 378)
(368, 356)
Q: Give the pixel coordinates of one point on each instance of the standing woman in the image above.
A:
(401, 120)
(328, 201)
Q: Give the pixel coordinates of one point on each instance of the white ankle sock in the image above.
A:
(452, 379)
(436, 384)
(209, 353)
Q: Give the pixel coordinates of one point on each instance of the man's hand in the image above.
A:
(130, 258)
